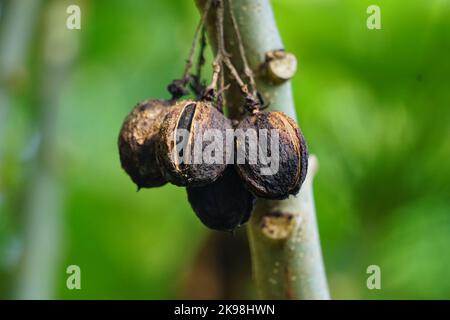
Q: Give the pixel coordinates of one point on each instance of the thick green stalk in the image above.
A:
(285, 247)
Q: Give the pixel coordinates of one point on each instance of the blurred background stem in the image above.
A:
(20, 16)
(283, 235)
(43, 220)
(18, 20)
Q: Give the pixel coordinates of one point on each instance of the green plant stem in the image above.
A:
(283, 235)
(17, 21)
(43, 210)
(17, 27)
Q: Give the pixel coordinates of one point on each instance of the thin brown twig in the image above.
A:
(201, 56)
(216, 72)
(236, 76)
(200, 25)
(248, 71)
(223, 88)
(223, 59)
(221, 50)
(210, 92)
(197, 86)
(178, 86)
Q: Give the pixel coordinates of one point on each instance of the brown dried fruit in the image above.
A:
(137, 143)
(223, 205)
(184, 137)
(290, 172)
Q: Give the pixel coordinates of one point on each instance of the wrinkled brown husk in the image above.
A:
(137, 143)
(293, 154)
(196, 117)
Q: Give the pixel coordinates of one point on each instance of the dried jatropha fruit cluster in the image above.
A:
(186, 143)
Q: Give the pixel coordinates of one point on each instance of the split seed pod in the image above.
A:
(192, 146)
(223, 205)
(279, 167)
(137, 143)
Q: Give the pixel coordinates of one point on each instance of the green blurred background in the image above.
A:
(374, 106)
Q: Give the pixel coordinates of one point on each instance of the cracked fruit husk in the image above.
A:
(192, 147)
(137, 143)
(290, 172)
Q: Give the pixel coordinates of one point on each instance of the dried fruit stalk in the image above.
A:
(286, 254)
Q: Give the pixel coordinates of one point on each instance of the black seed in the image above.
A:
(224, 204)
(186, 117)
